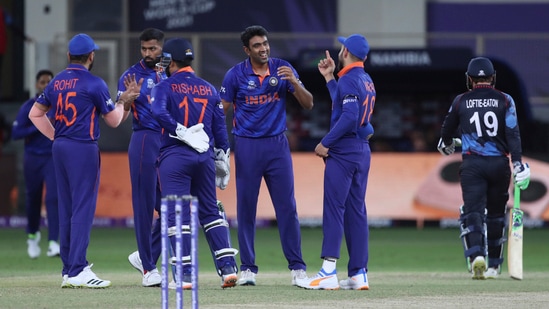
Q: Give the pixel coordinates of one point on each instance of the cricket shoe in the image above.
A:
(53, 249)
(87, 279)
(479, 267)
(321, 281)
(356, 282)
(64, 283)
(152, 278)
(247, 277)
(491, 273)
(298, 274)
(33, 245)
(228, 276)
(186, 285)
(135, 261)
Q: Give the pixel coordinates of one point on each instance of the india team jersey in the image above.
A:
(35, 142)
(186, 99)
(259, 104)
(79, 98)
(141, 107)
(353, 100)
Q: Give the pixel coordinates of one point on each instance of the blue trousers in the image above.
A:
(268, 158)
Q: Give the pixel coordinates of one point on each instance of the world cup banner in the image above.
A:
(234, 15)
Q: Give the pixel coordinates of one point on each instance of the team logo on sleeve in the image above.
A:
(273, 81)
(109, 102)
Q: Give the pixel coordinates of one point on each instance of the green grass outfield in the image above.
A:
(408, 268)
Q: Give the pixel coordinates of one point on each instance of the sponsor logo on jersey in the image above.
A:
(109, 102)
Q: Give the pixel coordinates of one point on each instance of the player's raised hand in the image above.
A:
(326, 66)
(286, 73)
(133, 88)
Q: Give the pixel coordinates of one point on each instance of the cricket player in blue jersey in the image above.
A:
(143, 152)
(78, 98)
(258, 89)
(190, 112)
(38, 171)
(346, 153)
(486, 121)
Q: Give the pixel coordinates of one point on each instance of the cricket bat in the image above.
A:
(514, 248)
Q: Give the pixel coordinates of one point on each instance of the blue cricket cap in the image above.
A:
(180, 49)
(356, 44)
(82, 44)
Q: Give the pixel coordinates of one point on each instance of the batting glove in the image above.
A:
(446, 150)
(194, 136)
(521, 174)
(222, 168)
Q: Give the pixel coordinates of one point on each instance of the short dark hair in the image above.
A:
(151, 34)
(79, 58)
(250, 32)
(43, 72)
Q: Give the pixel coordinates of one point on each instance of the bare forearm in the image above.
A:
(303, 96)
(40, 120)
(115, 117)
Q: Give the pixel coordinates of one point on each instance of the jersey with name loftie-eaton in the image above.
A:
(488, 123)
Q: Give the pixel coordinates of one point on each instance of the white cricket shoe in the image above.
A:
(152, 278)
(33, 245)
(64, 283)
(321, 281)
(87, 279)
(135, 261)
(298, 274)
(356, 282)
(478, 267)
(247, 277)
(53, 249)
(491, 273)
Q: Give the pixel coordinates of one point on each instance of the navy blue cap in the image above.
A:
(82, 44)
(180, 49)
(480, 67)
(356, 44)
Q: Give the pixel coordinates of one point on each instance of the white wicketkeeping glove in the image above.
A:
(446, 150)
(222, 168)
(521, 173)
(194, 136)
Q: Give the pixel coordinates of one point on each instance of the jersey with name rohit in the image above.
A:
(79, 98)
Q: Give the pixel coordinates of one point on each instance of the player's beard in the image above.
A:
(151, 63)
(91, 65)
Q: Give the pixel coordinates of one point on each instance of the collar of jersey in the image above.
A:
(350, 66)
(75, 66)
(185, 69)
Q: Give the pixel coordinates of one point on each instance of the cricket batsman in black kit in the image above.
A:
(486, 121)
